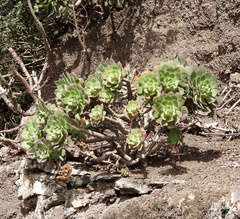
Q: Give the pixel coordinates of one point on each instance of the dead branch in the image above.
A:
(82, 40)
(213, 126)
(234, 105)
(11, 130)
(41, 29)
(9, 99)
(11, 143)
(24, 82)
(20, 62)
(47, 48)
(78, 3)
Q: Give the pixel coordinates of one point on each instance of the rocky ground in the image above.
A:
(205, 183)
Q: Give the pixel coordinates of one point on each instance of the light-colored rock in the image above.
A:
(230, 203)
(54, 200)
(41, 188)
(126, 186)
(79, 198)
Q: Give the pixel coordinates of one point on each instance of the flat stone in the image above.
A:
(132, 186)
(107, 177)
(53, 200)
(57, 213)
(82, 181)
(156, 183)
(92, 186)
(41, 188)
(79, 198)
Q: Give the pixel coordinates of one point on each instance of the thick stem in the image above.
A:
(110, 155)
(113, 113)
(118, 123)
(129, 88)
(99, 135)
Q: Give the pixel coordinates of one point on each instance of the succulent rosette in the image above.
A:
(74, 99)
(57, 128)
(113, 75)
(31, 135)
(43, 112)
(97, 114)
(94, 86)
(66, 81)
(174, 76)
(175, 138)
(204, 89)
(132, 109)
(175, 63)
(148, 85)
(168, 108)
(107, 96)
(45, 153)
(104, 64)
(135, 139)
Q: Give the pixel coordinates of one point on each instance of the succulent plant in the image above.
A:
(57, 128)
(125, 172)
(148, 85)
(174, 76)
(136, 139)
(204, 89)
(168, 108)
(107, 96)
(175, 138)
(43, 112)
(132, 109)
(112, 76)
(97, 114)
(31, 135)
(64, 82)
(175, 63)
(103, 65)
(94, 86)
(45, 153)
(35, 143)
(73, 99)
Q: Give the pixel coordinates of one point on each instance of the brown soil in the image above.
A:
(147, 32)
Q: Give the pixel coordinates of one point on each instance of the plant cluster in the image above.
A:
(121, 109)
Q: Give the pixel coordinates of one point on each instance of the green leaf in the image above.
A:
(69, 142)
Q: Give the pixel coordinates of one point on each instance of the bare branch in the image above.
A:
(12, 143)
(20, 62)
(41, 29)
(9, 99)
(82, 40)
(24, 82)
(78, 3)
(47, 48)
(11, 130)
